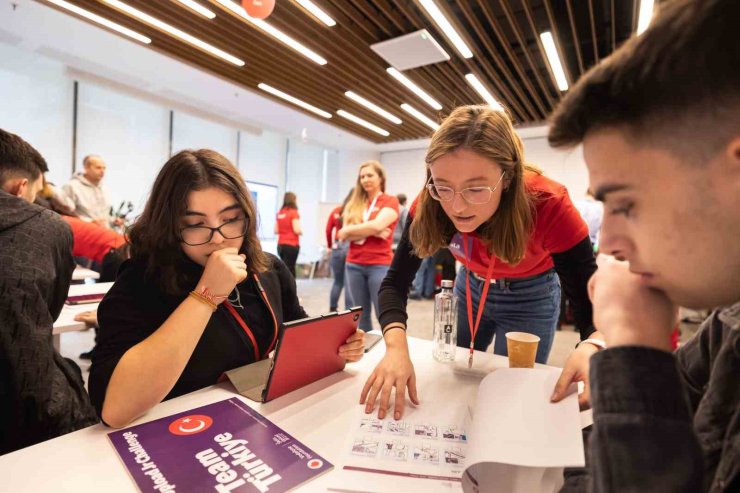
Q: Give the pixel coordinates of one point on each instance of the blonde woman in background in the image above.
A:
(368, 218)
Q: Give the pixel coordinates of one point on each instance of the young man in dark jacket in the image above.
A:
(41, 395)
(660, 125)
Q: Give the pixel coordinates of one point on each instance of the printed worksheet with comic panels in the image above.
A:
(418, 446)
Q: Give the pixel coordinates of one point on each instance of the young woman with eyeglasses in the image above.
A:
(198, 296)
(517, 235)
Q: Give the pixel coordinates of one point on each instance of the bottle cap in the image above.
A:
(447, 284)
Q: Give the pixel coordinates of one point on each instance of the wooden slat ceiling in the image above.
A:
(503, 35)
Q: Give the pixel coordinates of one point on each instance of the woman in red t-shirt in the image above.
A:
(368, 218)
(338, 256)
(517, 235)
(288, 229)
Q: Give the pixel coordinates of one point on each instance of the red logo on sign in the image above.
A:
(190, 425)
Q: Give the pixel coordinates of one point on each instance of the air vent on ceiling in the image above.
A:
(411, 50)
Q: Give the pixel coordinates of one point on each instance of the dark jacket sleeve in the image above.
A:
(575, 267)
(643, 437)
(394, 290)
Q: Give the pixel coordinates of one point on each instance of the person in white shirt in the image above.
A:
(91, 201)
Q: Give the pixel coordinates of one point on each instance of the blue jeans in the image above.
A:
(338, 257)
(424, 279)
(363, 283)
(531, 306)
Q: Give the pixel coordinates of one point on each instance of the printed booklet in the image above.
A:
(224, 447)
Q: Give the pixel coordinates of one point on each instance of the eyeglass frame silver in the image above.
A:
(429, 185)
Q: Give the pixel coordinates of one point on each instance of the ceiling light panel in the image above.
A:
(181, 35)
(420, 116)
(363, 123)
(553, 59)
(295, 101)
(414, 88)
(100, 20)
(373, 107)
(198, 8)
(317, 12)
(446, 26)
(483, 92)
(275, 33)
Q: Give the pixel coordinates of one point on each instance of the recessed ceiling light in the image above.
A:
(317, 12)
(420, 116)
(373, 107)
(163, 26)
(196, 7)
(483, 91)
(554, 60)
(645, 16)
(444, 24)
(414, 88)
(100, 20)
(295, 101)
(363, 123)
(275, 33)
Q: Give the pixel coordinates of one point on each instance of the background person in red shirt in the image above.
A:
(517, 235)
(288, 229)
(369, 218)
(338, 256)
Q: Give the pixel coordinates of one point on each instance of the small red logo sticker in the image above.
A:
(190, 425)
(315, 464)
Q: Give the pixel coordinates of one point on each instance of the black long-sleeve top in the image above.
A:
(135, 307)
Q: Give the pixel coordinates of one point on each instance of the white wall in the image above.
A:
(406, 172)
(37, 106)
(132, 137)
(192, 132)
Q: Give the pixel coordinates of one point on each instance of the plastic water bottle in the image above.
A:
(445, 324)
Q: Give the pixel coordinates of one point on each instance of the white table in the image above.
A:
(66, 321)
(319, 415)
(81, 273)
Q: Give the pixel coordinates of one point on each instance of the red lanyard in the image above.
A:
(468, 296)
(244, 325)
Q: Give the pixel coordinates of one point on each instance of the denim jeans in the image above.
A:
(424, 279)
(363, 283)
(338, 258)
(531, 306)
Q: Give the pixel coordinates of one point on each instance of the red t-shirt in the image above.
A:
(333, 225)
(286, 235)
(92, 240)
(557, 227)
(375, 251)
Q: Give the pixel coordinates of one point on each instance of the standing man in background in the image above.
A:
(91, 200)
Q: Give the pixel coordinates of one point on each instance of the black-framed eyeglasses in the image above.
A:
(472, 195)
(200, 235)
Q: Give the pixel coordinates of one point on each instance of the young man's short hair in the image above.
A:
(676, 86)
(18, 159)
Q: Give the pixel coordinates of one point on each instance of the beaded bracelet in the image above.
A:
(203, 299)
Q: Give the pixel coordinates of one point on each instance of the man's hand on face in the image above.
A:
(626, 311)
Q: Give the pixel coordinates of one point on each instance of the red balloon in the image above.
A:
(259, 9)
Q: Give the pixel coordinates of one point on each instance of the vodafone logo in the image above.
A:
(315, 464)
(190, 425)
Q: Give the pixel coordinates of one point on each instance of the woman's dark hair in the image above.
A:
(290, 201)
(155, 236)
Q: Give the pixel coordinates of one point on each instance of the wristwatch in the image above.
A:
(595, 342)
